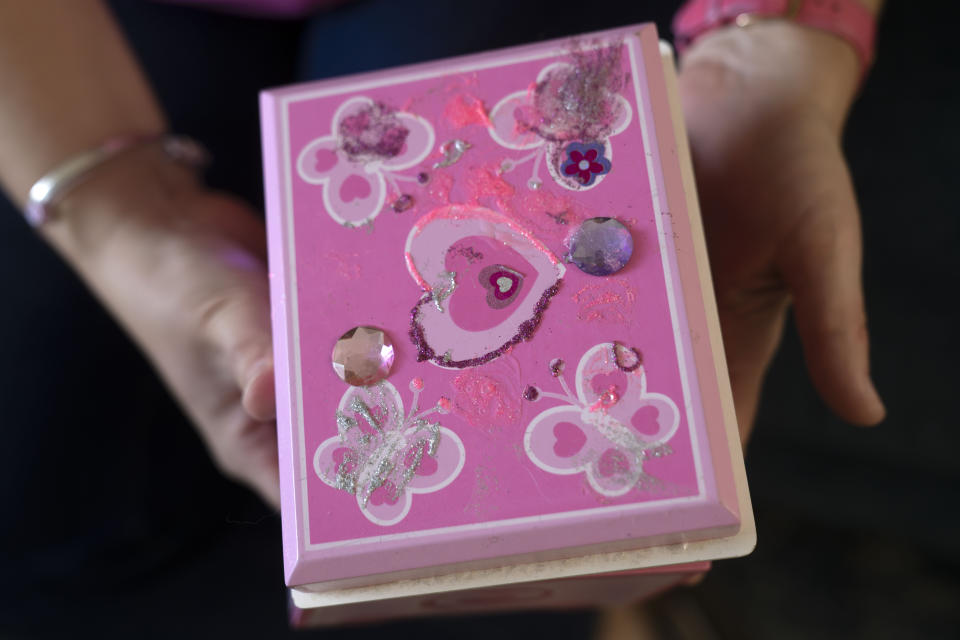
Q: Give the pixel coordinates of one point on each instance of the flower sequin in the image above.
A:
(585, 162)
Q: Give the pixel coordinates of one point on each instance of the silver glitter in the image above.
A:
(430, 444)
(381, 465)
(347, 480)
(452, 151)
(444, 288)
(611, 429)
(344, 423)
(434, 429)
(359, 406)
(378, 460)
(411, 470)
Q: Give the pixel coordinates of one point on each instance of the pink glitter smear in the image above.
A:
(486, 182)
(439, 187)
(609, 301)
(549, 215)
(372, 133)
(485, 400)
(579, 102)
(345, 265)
(465, 110)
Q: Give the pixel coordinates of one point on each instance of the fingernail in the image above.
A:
(877, 410)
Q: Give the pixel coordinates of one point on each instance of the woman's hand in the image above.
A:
(765, 107)
(183, 269)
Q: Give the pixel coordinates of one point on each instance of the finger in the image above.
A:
(263, 472)
(247, 452)
(694, 579)
(237, 324)
(259, 394)
(751, 322)
(822, 270)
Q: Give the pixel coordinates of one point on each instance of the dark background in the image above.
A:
(113, 523)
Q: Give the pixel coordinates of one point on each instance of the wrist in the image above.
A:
(143, 190)
(794, 65)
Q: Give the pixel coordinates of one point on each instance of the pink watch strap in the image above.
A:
(848, 19)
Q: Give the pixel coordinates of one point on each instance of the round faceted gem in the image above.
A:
(601, 246)
(363, 356)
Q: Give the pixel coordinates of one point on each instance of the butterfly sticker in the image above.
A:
(368, 146)
(486, 284)
(609, 428)
(383, 455)
(574, 142)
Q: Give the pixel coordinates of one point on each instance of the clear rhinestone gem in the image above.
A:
(363, 356)
(404, 202)
(601, 246)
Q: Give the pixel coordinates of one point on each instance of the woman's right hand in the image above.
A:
(183, 269)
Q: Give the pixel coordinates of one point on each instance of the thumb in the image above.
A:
(238, 326)
(822, 270)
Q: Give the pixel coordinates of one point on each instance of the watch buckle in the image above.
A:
(752, 17)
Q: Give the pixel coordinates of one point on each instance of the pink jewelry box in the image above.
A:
(498, 360)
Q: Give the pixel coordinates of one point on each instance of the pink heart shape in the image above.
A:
(646, 420)
(613, 462)
(384, 494)
(603, 381)
(325, 160)
(570, 439)
(354, 188)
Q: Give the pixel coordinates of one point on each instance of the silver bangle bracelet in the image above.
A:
(46, 191)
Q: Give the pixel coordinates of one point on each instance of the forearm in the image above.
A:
(69, 83)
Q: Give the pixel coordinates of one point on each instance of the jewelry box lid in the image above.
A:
(495, 334)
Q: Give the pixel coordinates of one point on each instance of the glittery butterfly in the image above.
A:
(577, 150)
(383, 455)
(609, 428)
(369, 144)
(486, 283)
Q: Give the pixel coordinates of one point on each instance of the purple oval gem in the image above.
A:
(601, 246)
